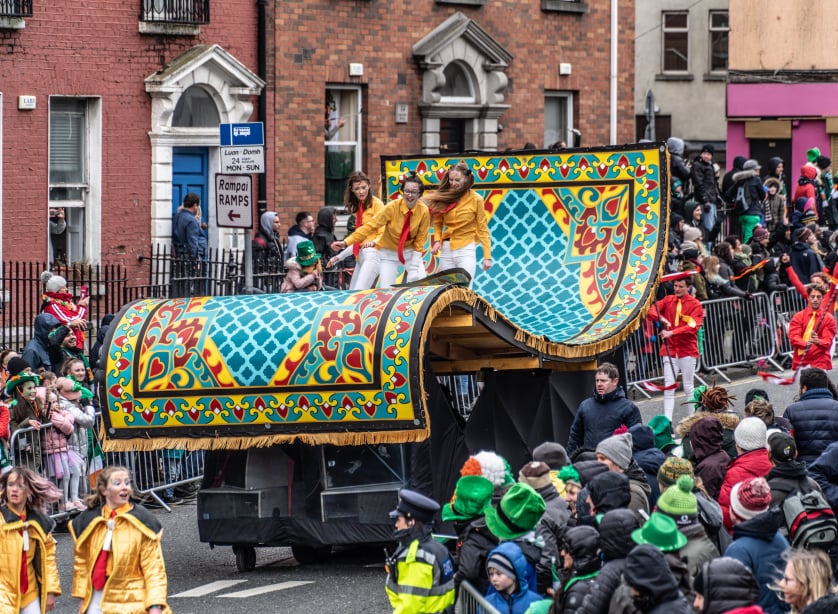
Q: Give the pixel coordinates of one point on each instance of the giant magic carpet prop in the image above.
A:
(578, 241)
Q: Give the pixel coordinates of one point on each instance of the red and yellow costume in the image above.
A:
(801, 327)
(136, 574)
(41, 567)
(685, 315)
(465, 223)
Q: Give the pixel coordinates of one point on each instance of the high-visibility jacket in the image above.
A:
(420, 579)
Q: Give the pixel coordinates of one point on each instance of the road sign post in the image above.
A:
(234, 201)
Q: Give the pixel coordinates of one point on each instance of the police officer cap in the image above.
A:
(416, 506)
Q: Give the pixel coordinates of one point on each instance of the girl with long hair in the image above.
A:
(115, 534)
(29, 579)
(362, 206)
(806, 578)
(459, 221)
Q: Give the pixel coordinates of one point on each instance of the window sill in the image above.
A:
(564, 6)
(12, 23)
(715, 76)
(466, 2)
(169, 29)
(674, 77)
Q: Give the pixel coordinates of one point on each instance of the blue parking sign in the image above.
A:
(234, 135)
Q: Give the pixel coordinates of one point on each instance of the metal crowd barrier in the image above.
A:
(470, 601)
(159, 477)
(736, 332)
(462, 391)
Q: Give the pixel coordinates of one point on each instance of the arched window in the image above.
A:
(458, 87)
(195, 109)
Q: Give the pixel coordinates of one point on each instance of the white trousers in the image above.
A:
(366, 269)
(95, 606)
(414, 267)
(463, 258)
(32, 608)
(671, 368)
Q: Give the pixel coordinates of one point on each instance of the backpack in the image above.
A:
(809, 519)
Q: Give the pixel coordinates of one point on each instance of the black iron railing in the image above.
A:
(192, 12)
(15, 8)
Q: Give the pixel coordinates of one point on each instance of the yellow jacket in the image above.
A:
(42, 547)
(465, 224)
(136, 572)
(391, 220)
(366, 214)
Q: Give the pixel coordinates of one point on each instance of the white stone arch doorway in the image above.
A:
(231, 86)
(461, 50)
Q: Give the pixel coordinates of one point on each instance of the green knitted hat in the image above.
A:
(471, 496)
(679, 502)
(569, 475)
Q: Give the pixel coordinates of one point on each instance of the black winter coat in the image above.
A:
(550, 529)
(754, 193)
(786, 477)
(615, 541)
(825, 472)
(814, 419)
(476, 543)
(726, 584)
(597, 418)
(647, 569)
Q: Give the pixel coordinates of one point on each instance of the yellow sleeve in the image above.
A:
(52, 582)
(154, 571)
(81, 571)
(437, 226)
(372, 227)
(483, 235)
(421, 237)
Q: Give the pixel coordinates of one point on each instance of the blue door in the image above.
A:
(190, 173)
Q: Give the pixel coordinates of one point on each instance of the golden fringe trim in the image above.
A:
(262, 441)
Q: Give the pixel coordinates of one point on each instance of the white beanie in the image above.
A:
(750, 434)
(54, 283)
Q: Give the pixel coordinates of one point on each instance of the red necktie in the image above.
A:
(24, 571)
(404, 235)
(447, 209)
(100, 568)
(356, 249)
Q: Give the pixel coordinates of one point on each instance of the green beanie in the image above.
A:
(813, 154)
(672, 469)
(679, 503)
(569, 475)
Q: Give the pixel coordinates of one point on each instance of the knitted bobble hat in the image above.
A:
(750, 498)
(679, 503)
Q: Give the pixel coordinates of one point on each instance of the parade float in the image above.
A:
(315, 408)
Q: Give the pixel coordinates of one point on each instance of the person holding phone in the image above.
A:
(57, 226)
(58, 301)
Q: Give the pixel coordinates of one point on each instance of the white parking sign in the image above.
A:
(234, 201)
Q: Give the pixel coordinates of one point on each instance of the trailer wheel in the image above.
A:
(245, 558)
(308, 555)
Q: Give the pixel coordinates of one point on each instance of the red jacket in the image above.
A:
(818, 354)
(684, 339)
(753, 464)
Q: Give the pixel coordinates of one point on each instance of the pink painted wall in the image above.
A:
(782, 100)
(737, 144)
(805, 135)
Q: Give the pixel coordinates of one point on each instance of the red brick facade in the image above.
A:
(315, 42)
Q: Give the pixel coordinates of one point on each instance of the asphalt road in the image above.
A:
(351, 581)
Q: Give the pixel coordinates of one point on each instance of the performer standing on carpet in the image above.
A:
(29, 579)
(402, 227)
(811, 332)
(362, 206)
(459, 221)
(118, 564)
(681, 315)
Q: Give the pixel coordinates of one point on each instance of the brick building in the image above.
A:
(110, 110)
(425, 75)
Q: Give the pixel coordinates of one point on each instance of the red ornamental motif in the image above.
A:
(304, 403)
(347, 404)
(170, 408)
(545, 165)
(369, 408)
(156, 368)
(524, 171)
(440, 173)
(402, 326)
(623, 162)
(644, 209)
(641, 170)
(390, 398)
(238, 412)
(135, 319)
(115, 391)
(564, 169)
(398, 380)
(259, 404)
(327, 410)
(639, 251)
(391, 351)
(602, 169)
(503, 166)
(147, 415)
(215, 406)
(122, 364)
(121, 340)
(482, 172)
(641, 269)
(194, 414)
(583, 164)
(651, 185)
(282, 410)
(127, 406)
(422, 168)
